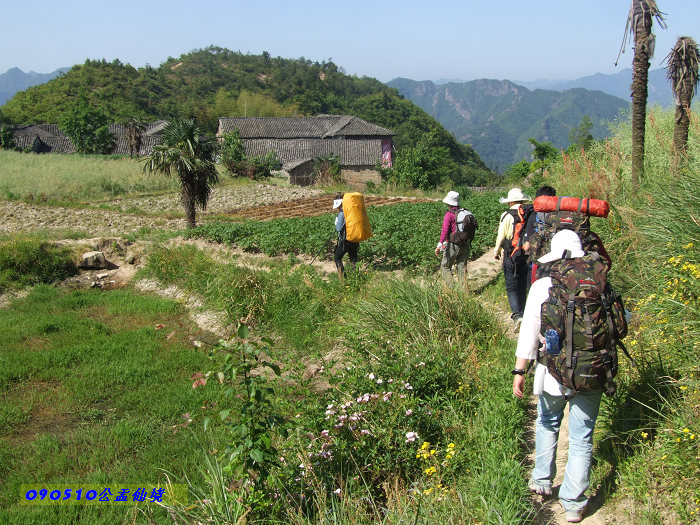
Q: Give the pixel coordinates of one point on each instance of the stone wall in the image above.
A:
(359, 176)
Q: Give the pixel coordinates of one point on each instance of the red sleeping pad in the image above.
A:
(592, 207)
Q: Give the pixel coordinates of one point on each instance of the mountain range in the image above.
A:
(618, 85)
(497, 117)
(14, 80)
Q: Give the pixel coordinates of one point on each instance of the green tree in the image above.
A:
(639, 24)
(580, 136)
(542, 152)
(6, 137)
(190, 155)
(87, 127)
(518, 171)
(424, 166)
(683, 62)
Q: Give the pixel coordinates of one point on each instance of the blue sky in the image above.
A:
(421, 40)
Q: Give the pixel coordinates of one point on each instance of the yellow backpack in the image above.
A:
(356, 219)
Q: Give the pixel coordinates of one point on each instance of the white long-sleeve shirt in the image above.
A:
(530, 340)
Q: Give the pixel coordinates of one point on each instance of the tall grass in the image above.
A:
(29, 260)
(75, 178)
(401, 358)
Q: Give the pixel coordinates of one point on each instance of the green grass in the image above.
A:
(446, 346)
(90, 392)
(29, 260)
(74, 178)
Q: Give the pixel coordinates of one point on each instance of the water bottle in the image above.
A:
(551, 338)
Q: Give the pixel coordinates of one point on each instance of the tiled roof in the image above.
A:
(351, 152)
(322, 126)
(50, 136)
(121, 146)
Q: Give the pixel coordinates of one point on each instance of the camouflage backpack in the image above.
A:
(589, 319)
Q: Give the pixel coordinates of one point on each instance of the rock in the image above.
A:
(93, 261)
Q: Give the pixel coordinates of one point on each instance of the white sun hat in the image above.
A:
(452, 199)
(337, 203)
(514, 195)
(562, 241)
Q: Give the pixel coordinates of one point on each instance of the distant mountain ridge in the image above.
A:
(497, 117)
(617, 85)
(14, 80)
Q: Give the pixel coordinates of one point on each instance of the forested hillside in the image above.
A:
(214, 82)
(497, 117)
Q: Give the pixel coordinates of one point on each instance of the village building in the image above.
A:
(42, 138)
(150, 136)
(298, 141)
(48, 138)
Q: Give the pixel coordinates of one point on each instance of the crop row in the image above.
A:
(404, 235)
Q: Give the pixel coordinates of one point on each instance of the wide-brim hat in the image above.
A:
(514, 195)
(451, 199)
(337, 203)
(564, 240)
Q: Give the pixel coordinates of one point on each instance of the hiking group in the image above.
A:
(570, 323)
(569, 319)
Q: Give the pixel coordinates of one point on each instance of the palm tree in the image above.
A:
(134, 128)
(187, 152)
(683, 62)
(639, 22)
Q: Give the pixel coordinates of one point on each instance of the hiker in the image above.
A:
(514, 261)
(553, 396)
(535, 224)
(458, 227)
(344, 246)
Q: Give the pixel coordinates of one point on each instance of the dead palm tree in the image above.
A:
(683, 62)
(187, 152)
(639, 22)
(134, 128)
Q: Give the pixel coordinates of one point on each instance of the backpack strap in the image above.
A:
(570, 361)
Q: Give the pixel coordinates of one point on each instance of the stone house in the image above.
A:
(298, 141)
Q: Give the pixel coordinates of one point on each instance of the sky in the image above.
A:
(421, 40)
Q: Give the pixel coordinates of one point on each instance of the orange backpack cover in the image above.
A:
(356, 219)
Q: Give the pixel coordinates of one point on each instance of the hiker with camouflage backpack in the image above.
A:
(572, 325)
(458, 229)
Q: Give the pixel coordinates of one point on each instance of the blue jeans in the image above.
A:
(583, 412)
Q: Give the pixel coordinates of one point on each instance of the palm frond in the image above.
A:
(683, 65)
(642, 12)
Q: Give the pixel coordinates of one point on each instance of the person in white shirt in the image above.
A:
(583, 406)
